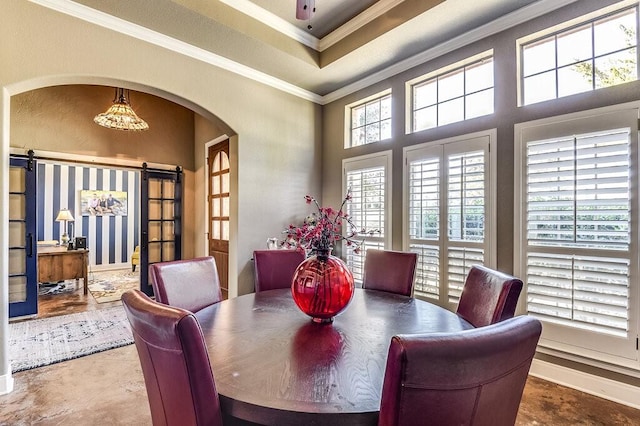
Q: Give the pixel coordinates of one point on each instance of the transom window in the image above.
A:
(456, 93)
(369, 120)
(592, 55)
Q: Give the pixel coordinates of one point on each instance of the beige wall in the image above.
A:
(278, 135)
(276, 131)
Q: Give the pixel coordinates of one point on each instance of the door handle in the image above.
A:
(29, 245)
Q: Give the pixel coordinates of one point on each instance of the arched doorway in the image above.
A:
(78, 103)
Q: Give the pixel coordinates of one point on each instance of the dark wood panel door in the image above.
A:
(218, 198)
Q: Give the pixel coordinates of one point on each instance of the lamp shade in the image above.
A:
(64, 214)
(120, 115)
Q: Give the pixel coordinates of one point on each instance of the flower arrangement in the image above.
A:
(321, 230)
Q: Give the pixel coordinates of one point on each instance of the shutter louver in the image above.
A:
(367, 210)
(466, 196)
(447, 248)
(578, 230)
(424, 224)
(466, 218)
(460, 260)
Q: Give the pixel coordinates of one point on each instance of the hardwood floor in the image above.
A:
(107, 388)
(69, 303)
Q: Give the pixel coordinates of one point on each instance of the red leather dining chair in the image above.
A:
(471, 377)
(275, 268)
(190, 284)
(391, 271)
(488, 296)
(175, 363)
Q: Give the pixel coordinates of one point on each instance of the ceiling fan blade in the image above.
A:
(305, 9)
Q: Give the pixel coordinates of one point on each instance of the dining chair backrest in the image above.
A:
(391, 271)
(488, 296)
(175, 363)
(275, 268)
(471, 377)
(190, 284)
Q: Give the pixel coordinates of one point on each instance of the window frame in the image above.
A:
(460, 65)
(568, 26)
(486, 139)
(348, 117)
(573, 342)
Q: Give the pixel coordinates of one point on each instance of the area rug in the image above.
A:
(108, 286)
(40, 342)
(51, 289)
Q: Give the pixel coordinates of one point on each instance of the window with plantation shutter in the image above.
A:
(367, 178)
(448, 216)
(579, 244)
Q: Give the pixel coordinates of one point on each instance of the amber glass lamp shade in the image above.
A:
(120, 115)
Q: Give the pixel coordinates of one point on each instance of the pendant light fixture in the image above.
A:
(120, 115)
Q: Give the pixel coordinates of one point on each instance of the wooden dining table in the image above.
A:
(272, 365)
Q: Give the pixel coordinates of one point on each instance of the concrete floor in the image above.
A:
(107, 388)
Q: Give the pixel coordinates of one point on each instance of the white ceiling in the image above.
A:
(353, 44)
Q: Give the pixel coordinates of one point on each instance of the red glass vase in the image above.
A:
(322, 286)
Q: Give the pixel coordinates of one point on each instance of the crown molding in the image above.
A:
(514, 18)
(275, 22)
(113, 23)
(110, 22)
(359, 21)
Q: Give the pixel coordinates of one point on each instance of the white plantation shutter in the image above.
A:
(447, 196)
(587, 292)
(367, 179)
(578, 230)
(424, 221)
(459, 261)
(465, 216)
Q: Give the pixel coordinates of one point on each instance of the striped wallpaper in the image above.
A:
(110, 239)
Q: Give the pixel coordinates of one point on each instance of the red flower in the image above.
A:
(326, 229)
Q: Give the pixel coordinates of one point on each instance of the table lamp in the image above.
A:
(64, 215)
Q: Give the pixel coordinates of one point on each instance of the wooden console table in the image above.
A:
(58, 264)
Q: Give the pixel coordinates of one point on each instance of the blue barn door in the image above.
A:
(23, 255)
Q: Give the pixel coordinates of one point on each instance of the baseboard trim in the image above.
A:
(611, 390)
(6, 383)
